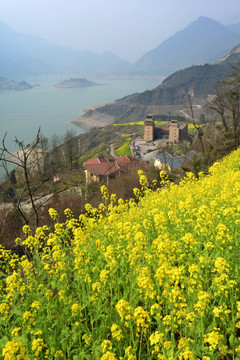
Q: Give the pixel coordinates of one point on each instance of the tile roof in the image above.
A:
(127, 166)
(126, 158)
(97, 160)
(174, 162)
(102, 169)
(124, 163)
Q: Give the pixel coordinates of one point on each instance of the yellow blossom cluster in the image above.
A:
(156, 277)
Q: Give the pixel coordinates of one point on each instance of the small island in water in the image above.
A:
(6, 84)
(73, 83)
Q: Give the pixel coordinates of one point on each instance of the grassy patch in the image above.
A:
(124, 149)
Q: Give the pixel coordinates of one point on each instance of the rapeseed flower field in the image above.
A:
(156, 278)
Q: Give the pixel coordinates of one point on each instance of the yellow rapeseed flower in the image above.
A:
(116, 332)
(53, 213)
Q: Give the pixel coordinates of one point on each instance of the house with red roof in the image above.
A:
(100, 169)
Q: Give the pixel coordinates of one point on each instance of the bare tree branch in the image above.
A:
(22, 158)
(197, 127)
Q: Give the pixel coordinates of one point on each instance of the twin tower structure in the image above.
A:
(175, 131)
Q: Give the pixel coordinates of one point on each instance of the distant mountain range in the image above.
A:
(20, 53)
(203, 41)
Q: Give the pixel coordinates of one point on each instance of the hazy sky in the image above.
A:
(129, 28)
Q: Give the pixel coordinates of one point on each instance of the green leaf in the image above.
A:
(64, 344)
(3, 341)
(233, 340)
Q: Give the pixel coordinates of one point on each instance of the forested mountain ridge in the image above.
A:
(199, 79)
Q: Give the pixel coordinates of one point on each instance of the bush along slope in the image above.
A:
(156, 278)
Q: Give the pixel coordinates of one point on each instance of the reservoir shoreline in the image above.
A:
(94, 118)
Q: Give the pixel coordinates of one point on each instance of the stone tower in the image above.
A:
(174, 131)
(149, 128)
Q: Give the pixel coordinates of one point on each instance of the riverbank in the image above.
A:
(94, 118)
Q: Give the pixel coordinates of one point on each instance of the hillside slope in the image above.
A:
(156, 279)
(199, 80)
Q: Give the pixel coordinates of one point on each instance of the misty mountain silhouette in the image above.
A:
(20, 53)
(203, 41)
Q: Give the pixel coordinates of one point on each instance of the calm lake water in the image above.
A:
(22, 112)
